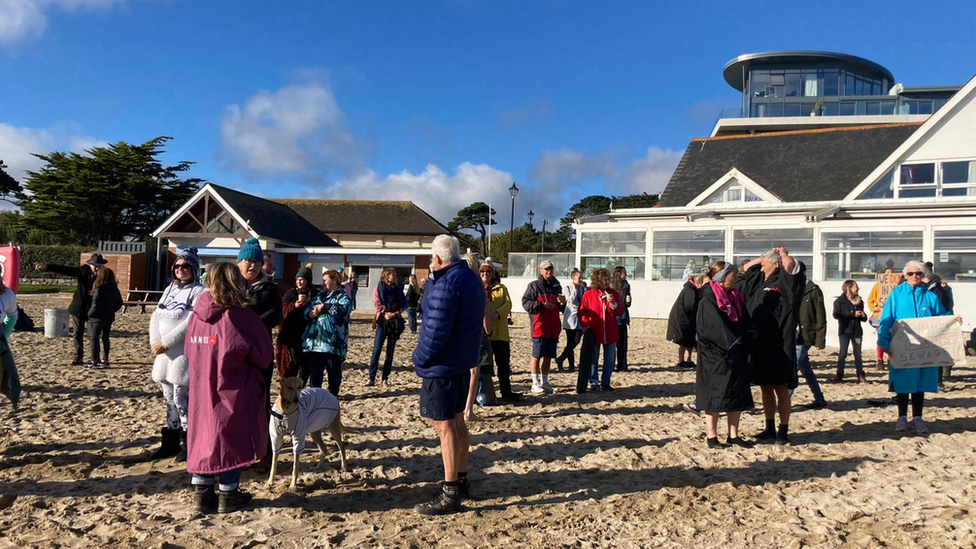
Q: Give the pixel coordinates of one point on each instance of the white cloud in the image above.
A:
(18, 146)
(297, 129)
(24, 19)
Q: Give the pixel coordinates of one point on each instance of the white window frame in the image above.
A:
(726, 231)
(938, 185)
(845, 254)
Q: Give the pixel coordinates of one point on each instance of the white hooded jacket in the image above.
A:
(168, 325)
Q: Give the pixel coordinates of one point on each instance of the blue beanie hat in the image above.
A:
(251, 250)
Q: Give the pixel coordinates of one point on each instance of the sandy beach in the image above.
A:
(627, 469)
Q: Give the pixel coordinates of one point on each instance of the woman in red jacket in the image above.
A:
(227, 348)
(598, 311)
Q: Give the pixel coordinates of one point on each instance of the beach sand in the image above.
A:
(627, 469)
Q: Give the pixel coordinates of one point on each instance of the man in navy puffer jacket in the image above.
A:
(450, 338)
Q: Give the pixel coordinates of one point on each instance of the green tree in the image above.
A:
(116, 192)
(474, 218)
(564, 238)
(8, 185)
(525, 239)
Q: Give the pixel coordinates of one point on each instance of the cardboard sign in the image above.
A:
(10, 267)
(886, 283)
(926, 343)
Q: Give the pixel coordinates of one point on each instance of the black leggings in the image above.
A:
(573, 338)
(99, 331)
(501, 351)
(918, 399)
(622, 347)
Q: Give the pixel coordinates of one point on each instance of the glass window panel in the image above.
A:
(831, 109)
(680, 267)
(689, 242)
(959, 191)
(849, 84)
(917, 174)
(887, 107)
(806, 109)
(847, 108)
(752, 197)
(752, 242)
(733, 195)
(791, 109)
(760, 80)
(807, 260)
(955, 240)
(862, 108)
(777, 79)
(630, 243)
(792, 86)
(830, 83)
(958, 267)
(526, 265)
(925, 107)
(917, 193)
(775, 109)
(912, 106)
(884, 188)
(810, 84)
(873, 240)
(874, 107)
(959, 172)
(634, 265)
(866, 265)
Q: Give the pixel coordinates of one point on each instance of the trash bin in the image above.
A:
(55, 323)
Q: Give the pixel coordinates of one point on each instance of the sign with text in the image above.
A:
(926, 342)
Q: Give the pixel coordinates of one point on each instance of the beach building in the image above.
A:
(849, 193)
(364, 236)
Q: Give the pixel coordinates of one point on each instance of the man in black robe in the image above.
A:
(773, 289)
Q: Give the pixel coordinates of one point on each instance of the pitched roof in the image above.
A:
(365, 216)
(272, 219)
(796, 166)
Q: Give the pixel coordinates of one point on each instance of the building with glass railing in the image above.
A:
(794, 84)
(849, 201)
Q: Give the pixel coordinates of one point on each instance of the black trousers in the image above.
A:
(98, 332)
(502, 351)
(845, 341)
(78, 325)
(325, 364)
(918, 401)
(622, 347)
(573, 338)
(586, 361)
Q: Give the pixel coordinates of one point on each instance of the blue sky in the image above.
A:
(440, 102)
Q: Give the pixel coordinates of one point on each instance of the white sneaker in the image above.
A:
(548, 388)
(902, 424)
(920, 426)
(537, 390)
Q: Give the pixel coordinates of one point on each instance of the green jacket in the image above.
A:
(813, 318)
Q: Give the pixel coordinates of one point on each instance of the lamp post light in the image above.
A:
(513, 190)
(530, 215)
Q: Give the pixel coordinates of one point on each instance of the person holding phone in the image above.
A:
(327, 336)
(543, 300)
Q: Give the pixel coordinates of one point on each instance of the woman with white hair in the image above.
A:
(910, 299)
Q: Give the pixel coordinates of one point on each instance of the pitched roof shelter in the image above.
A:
(365, 216)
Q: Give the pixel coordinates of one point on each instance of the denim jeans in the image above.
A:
(412, 319)
(609, 358)
(378, 340)
(845, 344)
(228, 480)
(322, 364)
(803, 364)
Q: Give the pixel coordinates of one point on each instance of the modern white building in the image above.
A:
(848, 200)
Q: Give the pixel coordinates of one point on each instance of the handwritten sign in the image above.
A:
(926, 342)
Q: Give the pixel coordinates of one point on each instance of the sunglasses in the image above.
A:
(914, 273)
(485, 271)
(182, 266)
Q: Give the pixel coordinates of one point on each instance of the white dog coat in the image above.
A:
(316, 409)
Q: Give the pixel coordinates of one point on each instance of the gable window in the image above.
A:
(732, 193)
(925, 180)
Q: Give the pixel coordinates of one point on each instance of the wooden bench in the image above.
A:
(142, 299)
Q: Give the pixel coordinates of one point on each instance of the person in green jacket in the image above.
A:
(811, 332)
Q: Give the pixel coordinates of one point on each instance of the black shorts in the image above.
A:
(442, 398)
(544, 347)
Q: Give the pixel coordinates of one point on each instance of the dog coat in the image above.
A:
(317, 408)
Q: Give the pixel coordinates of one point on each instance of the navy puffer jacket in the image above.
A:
(453, 313)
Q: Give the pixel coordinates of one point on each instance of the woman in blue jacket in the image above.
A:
(327, 334)
(910, 299)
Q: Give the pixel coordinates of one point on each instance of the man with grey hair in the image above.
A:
(447, 348)
(773, 289)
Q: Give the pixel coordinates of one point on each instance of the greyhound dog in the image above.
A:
(298, 412)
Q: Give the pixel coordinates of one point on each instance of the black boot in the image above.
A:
(769, 432)
(235, 500)
(783, 436)
(181, 457)
(170, 445)
(205, 499)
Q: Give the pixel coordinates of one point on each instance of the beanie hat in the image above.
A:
(189, 254)
(306, 273)
(251, 250)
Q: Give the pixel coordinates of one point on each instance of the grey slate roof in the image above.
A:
(796, 166)
(273, 220)
(365, 216)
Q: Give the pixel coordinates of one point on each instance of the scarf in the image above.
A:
(729, 301)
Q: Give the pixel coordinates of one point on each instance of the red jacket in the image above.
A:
(546, 323)
(227, 349)
(595, 314)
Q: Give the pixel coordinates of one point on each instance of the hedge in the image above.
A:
(59, 255)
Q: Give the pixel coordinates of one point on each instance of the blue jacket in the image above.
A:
(328, 332)
(453, 316)
(907, 301)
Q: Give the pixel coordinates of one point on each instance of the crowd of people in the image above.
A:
(215, 349)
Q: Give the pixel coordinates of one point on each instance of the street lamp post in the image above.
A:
(513, 190)
(530, 215)
(544, 235)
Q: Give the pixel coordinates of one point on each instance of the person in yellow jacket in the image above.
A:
(876, 300)
(499, 305)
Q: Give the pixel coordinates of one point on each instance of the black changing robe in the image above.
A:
(722, 377)
(773, 305)
(681, 321)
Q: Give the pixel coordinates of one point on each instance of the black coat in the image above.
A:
(722, 378)
(413, 297)
(81, 301)
(293, 323)
(848, 324)
(267, 302)
(681, 320)
(813, 318)
(773, 305)
(105, 302)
